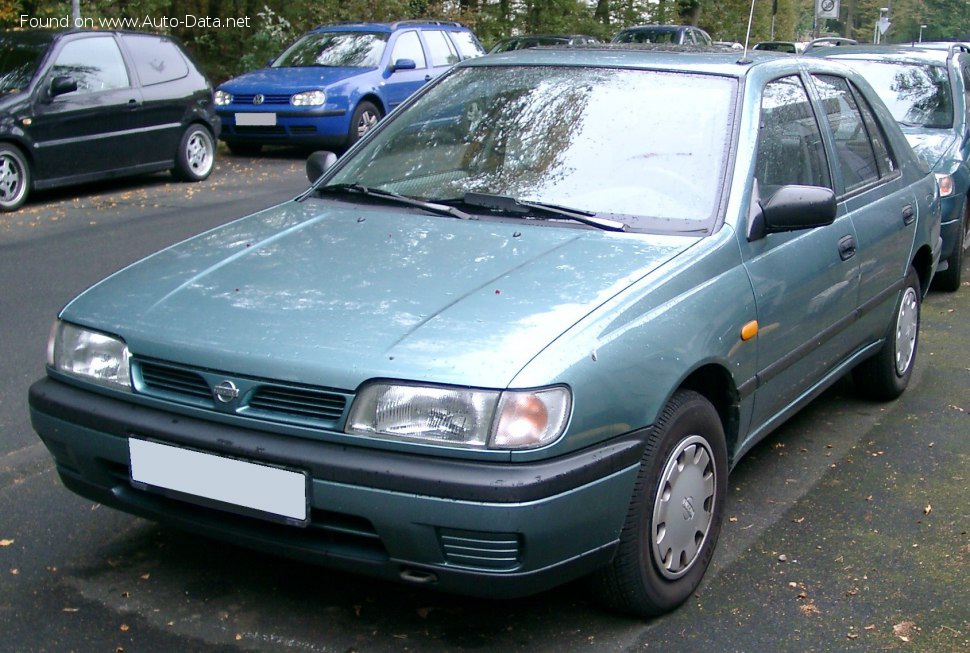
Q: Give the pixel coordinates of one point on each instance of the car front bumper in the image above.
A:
(316, 127)
(470, 527)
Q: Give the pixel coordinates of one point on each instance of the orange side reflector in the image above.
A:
(749, 330)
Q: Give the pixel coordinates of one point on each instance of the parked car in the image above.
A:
(537, 40)
(788, 47)
(671, 34)
(80, 106)
(334, 83)
(505, 342)
(927, 91)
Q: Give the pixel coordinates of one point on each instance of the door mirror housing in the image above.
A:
(792, 208)
(404, 64)
(318, 163)
(62, 84)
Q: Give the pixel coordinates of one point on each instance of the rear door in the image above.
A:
(90, 130)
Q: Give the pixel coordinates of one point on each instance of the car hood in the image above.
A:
(289, 80)
(932, 145)
(328, 294)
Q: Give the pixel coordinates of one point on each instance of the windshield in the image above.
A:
(647, 145)
(351, 49)
(18, 61)
(916, 94)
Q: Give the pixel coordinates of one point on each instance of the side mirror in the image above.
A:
(318, 163)
(792, 208)
(404, 64)
(62, 84)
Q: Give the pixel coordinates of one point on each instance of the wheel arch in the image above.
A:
(374, 99)
(923, 264)
(714, 383)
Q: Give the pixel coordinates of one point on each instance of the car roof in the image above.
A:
(909, 53)
(716, 60)
(656, 28)
(387, 27)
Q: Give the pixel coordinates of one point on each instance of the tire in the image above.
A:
(886, 375)
(244, 149)
(366, 115)
(196, 155)
(675, 514)
(950, 279)
(14, 178)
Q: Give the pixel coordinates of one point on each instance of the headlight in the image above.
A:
(309, 99)
(946, 184)
(223, 98)
(482, 419)
(89, 355)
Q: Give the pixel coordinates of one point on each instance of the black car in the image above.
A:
(78, 106)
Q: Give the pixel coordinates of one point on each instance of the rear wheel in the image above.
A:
(949, 280)
(196, 154)
(366, 115)
(886, 375)
(675, 514)
(14, 178)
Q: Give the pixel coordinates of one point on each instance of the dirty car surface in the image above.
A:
(508, 341)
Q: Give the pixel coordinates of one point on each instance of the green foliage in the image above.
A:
(270, 25)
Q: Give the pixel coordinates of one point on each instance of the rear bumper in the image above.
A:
(442, 522)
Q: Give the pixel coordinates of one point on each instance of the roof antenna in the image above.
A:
(747, 37)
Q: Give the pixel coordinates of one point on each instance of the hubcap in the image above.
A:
(907, 324)
(198, 153)
(367, 120)
(684, 507)
(10, 179)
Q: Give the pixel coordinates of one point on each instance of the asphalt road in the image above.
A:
(847, 529)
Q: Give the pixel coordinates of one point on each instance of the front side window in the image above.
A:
(340, 49)
(95, 63)
(553, 135)
(917, 94)
(790, 149)
(853, 147)
(408, 46)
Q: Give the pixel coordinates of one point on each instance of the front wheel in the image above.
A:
(366, 115)
(196, 154)
(886, 375)
(949, 280)
(14, 178)
(675, 514)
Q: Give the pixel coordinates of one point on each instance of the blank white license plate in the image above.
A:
(270, 492)
(256, 119)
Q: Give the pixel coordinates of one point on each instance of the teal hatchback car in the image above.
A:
(515, 336)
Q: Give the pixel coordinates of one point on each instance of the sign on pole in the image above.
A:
(827, 9)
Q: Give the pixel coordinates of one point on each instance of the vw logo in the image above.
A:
(225, 392)
(258, 98)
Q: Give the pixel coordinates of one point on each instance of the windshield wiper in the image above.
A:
(395, 197)
(515, 206)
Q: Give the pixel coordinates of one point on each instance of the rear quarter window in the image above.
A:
(157, 60)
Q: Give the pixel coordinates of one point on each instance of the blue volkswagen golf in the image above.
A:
(334, 83)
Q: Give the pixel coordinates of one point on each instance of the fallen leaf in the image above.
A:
(853, 635)
(809, 608)
(928, 509)
(905, 630)
(6, 542)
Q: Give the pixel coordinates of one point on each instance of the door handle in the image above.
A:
(846, 247)
(909, 215)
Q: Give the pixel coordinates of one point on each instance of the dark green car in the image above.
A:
(515, 336)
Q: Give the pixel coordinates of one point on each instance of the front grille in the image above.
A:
(298, 402)
(175, 380)
(480, 550)
(276, 98)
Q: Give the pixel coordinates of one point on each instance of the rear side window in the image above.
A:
(95, 63)
(442, 51)
(854, 149)
(884, 159)
(467, 44)
(157, 60)
(790, 149)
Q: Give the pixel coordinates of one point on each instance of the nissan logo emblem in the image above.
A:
(225, 392)
(258, 98)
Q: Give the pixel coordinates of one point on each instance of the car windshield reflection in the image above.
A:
(564, 136)
(345, 49)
